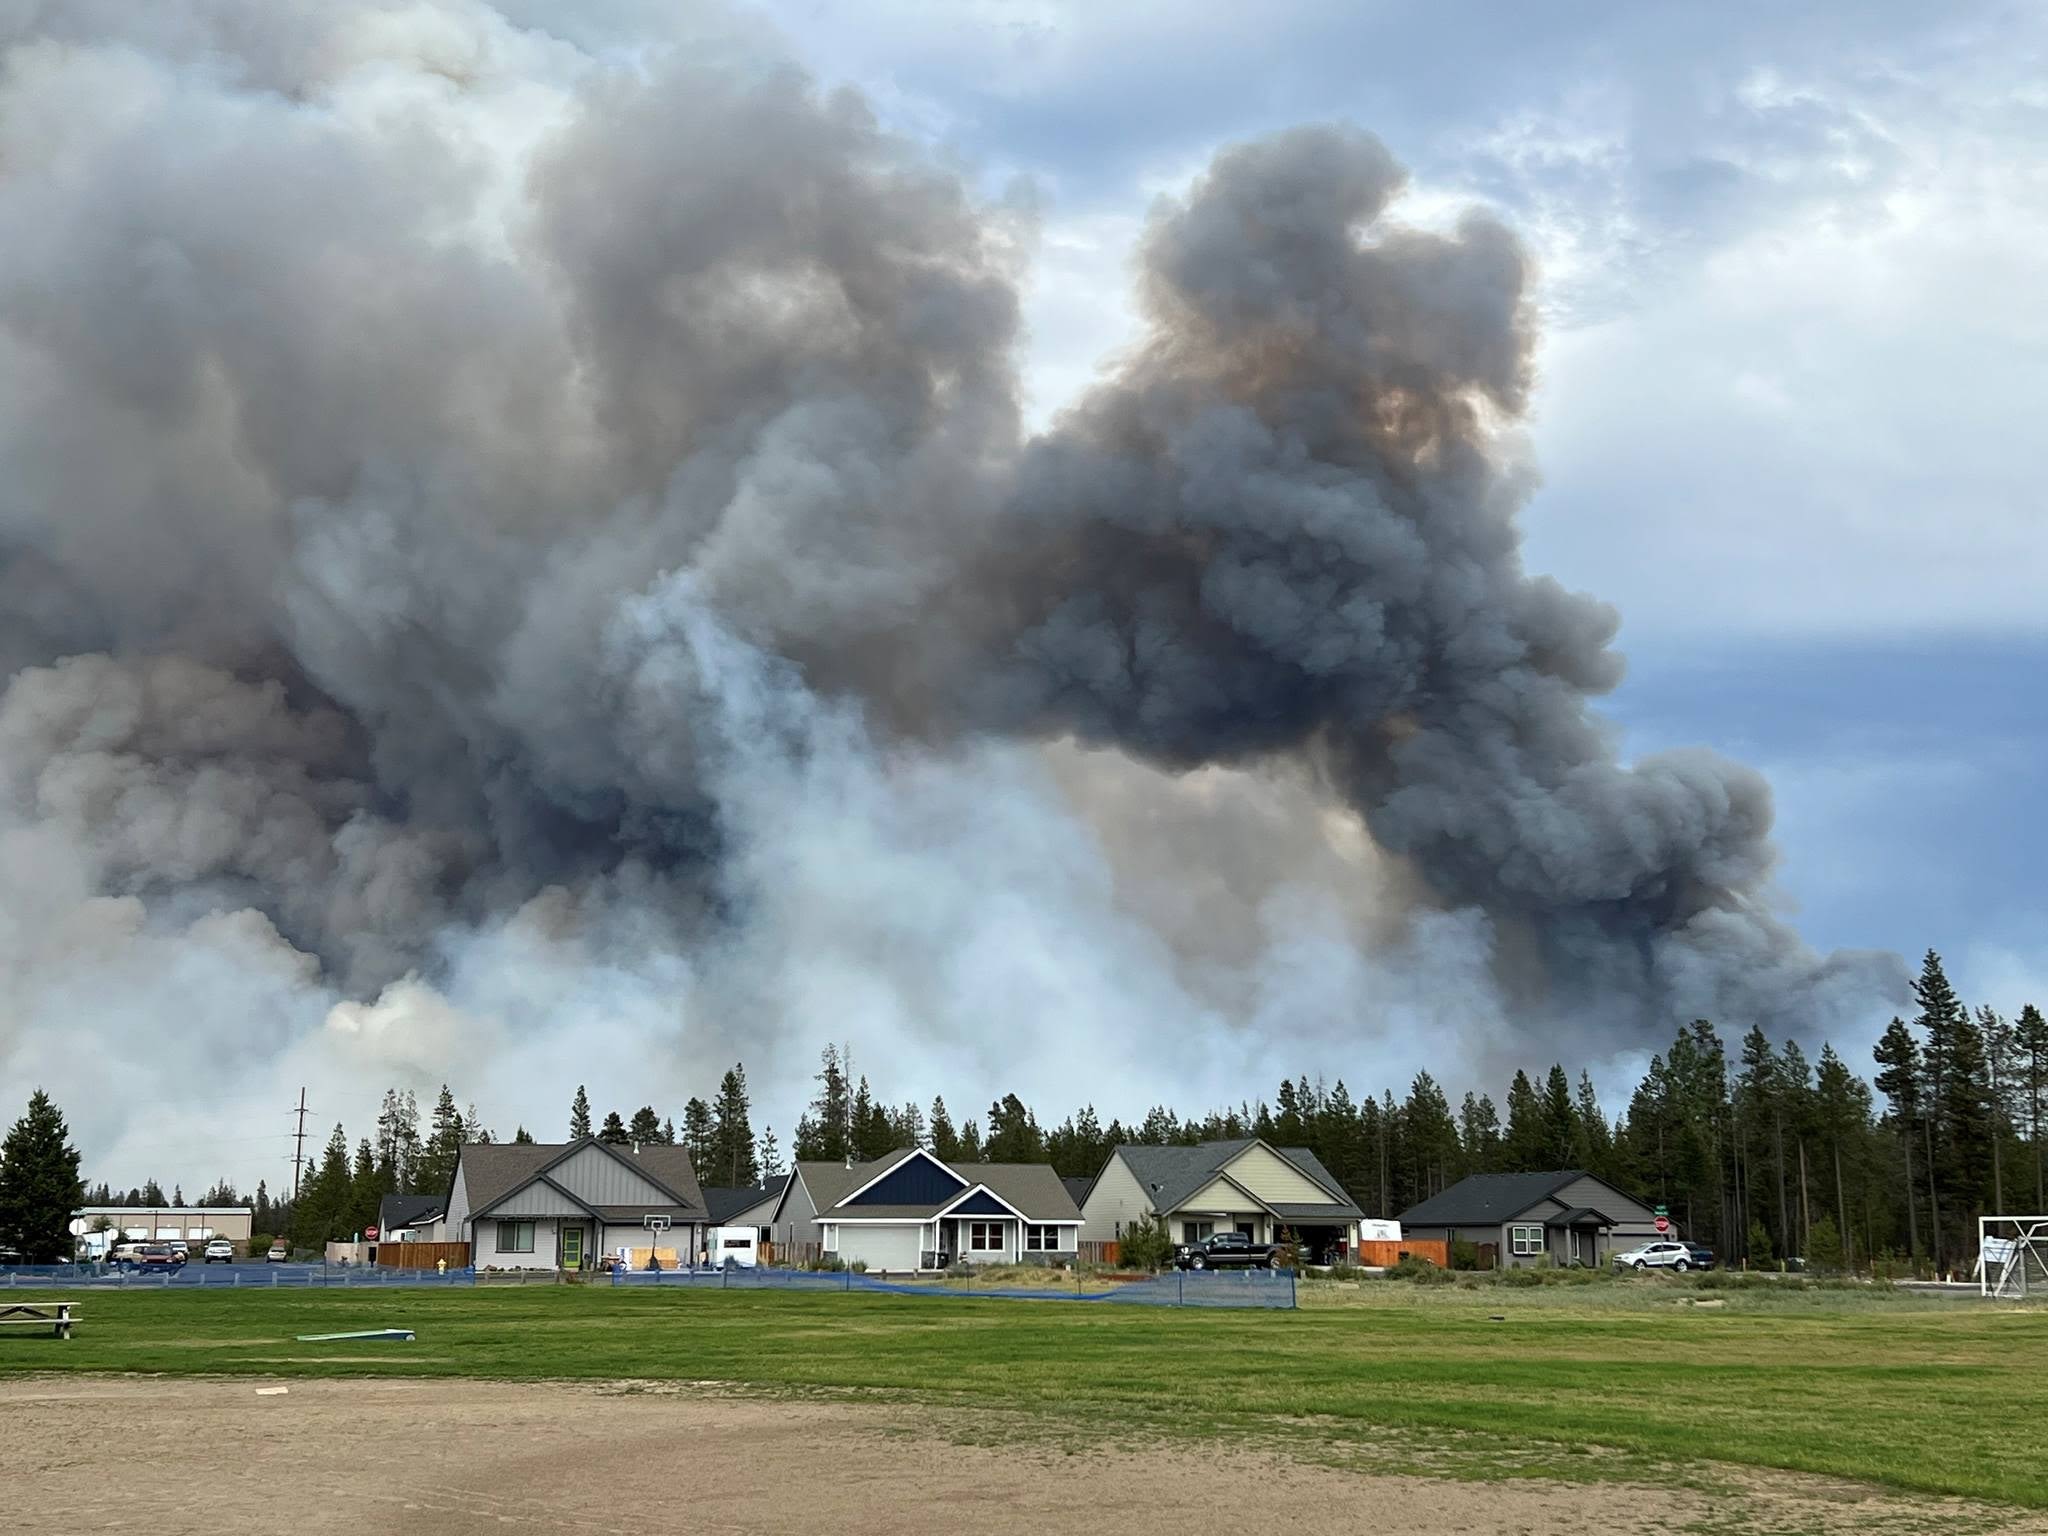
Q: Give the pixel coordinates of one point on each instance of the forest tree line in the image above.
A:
(1757, 1149)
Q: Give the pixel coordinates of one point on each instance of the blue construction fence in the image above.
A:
(235, 1276)
(1175, 1288)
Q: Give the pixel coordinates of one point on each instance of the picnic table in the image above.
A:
(59, 1315)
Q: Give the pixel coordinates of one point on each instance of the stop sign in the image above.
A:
(1663, 1224)
(371, 1233)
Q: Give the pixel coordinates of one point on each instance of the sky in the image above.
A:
(1795, 350)
(1792, 349)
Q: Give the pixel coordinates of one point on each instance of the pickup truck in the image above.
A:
(1224, 1250)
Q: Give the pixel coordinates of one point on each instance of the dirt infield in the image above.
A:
(176, 1456)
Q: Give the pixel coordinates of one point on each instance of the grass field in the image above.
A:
(1613, 1381)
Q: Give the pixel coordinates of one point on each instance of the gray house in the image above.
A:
(1568, 1216)
(527, 1205)
(910, 1212)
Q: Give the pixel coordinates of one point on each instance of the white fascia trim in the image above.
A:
(969, 1193)
(914, 1152)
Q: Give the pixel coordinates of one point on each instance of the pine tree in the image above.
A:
(768, 1156)
(522, 1137)
(945, 1140)
(697, 1135)
(319, 1214)
(1898, 1053)
(732, 1132)
(613, 1131)
(579, 1115)
(1969, 1129)
(152, 1195)
(1999, 1046)
(366, 1192)
(1842, 1113)
(668, 1131)
(39, 1184)
(1479, 1134)
(1593, 1138)
(645, 1128)
(1941, 1013)
(178, 1197)
(822, 1134)
(2030, 1055)
(1522, 1146)
(1559, 1121)
(262, 1217)
(444, 1147)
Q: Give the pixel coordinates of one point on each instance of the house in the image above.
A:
(540, 1205)
(745, 1207)
(1244, 1185)
(1567, 1216)
(909, 1212)
(411, 1218)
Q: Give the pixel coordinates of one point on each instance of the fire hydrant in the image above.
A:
(441, 1266)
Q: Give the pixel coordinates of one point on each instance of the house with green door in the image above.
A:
(571, 1205)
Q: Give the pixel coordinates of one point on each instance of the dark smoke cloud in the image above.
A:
(519, 525)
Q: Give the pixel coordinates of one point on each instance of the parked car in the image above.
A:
(220, 1251)
(160, 1256)
(9, 1255)
(124, 1255)
(1662, 1254)
(1226, 1250)
(278, 1254)
(1702, 1255)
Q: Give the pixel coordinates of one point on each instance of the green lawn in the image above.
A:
(1946, 1398)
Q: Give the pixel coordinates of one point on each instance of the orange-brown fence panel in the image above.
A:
(1100, 1253)
(1384, 1255)
(421, 1255)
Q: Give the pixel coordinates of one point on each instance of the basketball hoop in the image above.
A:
(655, 1225)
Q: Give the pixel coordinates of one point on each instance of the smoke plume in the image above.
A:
(519, 563)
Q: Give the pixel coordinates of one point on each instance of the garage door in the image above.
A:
(894, 1249)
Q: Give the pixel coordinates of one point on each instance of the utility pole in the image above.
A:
(299, 1146)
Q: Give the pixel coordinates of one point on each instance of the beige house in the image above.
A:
(1247, 1185)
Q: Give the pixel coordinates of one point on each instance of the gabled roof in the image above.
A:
(494, 1170)
(1077, 1189)
(1030, 1188)
(724, 1203)
(1579, 1216)
(1172, 1175)
(1487, 1199)
(395, 1211)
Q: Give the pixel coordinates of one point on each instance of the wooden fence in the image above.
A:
(1383, 1255)
(1104, 1254)
(421, 1255)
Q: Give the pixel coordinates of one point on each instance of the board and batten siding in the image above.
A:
(458, 1206)
(1117, 1200)
(798, 1222)
(1272, 1178)
(597, 1177)
(536, 1200)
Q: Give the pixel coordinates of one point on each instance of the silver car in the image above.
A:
(1661, 1254)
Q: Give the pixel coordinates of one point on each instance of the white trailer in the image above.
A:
(740, 1246)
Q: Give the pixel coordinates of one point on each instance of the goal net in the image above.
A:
(2012, 1255)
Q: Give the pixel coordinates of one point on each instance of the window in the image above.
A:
(1525, 1241)
(515, 1237)
(984, 1237)
(1247, 1231)
(1042, 1239)
(1197, 1231)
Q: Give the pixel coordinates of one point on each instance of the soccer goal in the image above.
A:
(2012, 1255)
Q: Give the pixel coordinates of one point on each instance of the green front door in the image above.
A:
(572, 1247)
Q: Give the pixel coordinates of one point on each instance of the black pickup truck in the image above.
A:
(1223, 1251)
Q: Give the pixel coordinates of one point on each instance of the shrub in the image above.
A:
(1464, 1254)
(828, 1261)
(860, 1266)
(1522, 1278)
(1344, 1270)
(1419, 1272)
(1145, 1244)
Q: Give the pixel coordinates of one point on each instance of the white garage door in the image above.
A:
(891, 1249)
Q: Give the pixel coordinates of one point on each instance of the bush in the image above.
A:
(1344, 1270)
(1523, 1278)
(1145, 1244)
(860, 1266)
(1464, 1254)
(830, 1262)
(1419, 1272)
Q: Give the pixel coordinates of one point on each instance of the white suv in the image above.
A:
(220, 1251)
(1657, 1255)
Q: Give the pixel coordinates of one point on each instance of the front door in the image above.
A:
(572, 1247)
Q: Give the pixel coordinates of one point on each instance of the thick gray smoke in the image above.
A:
(521, 564)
